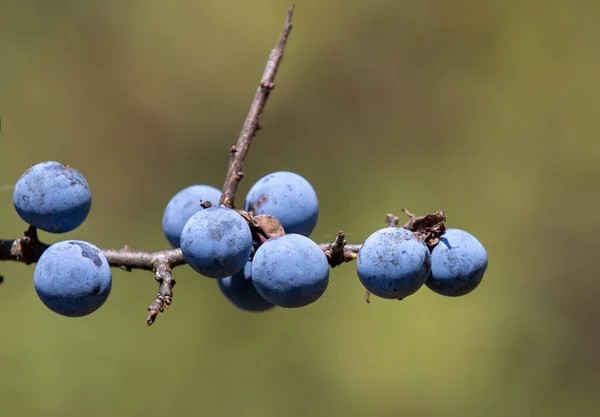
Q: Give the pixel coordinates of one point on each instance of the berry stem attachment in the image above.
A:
(27, 249)
(391, 220)
(251, 124)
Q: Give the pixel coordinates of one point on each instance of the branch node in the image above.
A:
(28, 249)
(335, 252)
(267, 85)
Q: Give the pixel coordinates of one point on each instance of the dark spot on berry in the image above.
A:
(90, 253)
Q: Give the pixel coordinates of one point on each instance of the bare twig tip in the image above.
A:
(408, 212)
(249, 128)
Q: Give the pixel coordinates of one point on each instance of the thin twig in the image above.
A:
(28, 251)
(143, 260)
(251, 125)
(162, 274)
(29, 248)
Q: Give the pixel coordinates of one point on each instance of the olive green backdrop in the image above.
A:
(488, 110)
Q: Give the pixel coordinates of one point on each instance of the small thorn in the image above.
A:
(408, 213)
(266, 85)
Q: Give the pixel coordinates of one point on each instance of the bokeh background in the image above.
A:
(488, 110)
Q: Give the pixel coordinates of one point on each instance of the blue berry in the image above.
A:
(393, 263)
(458, 263)
(52, 197)
(240, 290)
(182, 206)
(290, 271)
(287, 196)
(216, 242)
(72, 278)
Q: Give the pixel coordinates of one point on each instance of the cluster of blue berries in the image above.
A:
(394, 263)
(255, 272)
(72, 278)
(289, 270)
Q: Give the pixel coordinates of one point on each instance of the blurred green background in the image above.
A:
(485, 109)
